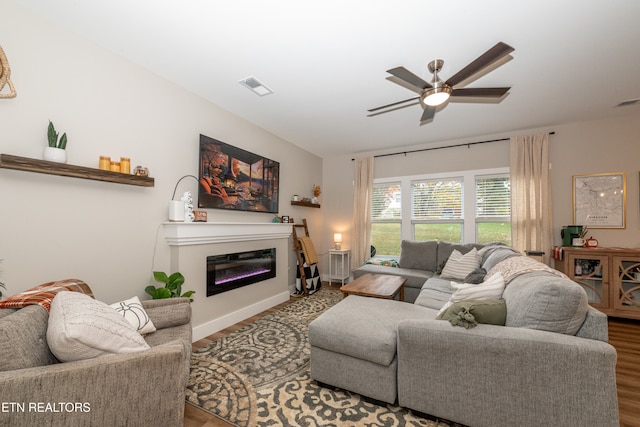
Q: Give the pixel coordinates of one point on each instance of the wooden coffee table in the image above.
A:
(376, 285)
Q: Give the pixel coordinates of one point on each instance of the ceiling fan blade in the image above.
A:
(497, 52)
(406, 75)
(394, 104)
(400, 107)
(428, 114)
(482, 92)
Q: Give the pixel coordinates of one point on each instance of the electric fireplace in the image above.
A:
(232, 271)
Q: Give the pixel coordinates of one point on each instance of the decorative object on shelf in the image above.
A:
(176, 211)
(104, 163)
(276, 219)
(115, 166)
(141, 171)
(591, 243)
(285, 219)
(600, 200)
(55, 151)
(5, 76)
(172, 286)
(316, 193)
(296, 198)
(125, 165)
(337, 240)
(188, 206)
(200, 216)
(181, 210)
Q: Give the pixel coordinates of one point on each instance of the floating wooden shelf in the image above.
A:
(306, 204)
(8, 161)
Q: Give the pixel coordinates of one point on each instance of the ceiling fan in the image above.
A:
(434, 93)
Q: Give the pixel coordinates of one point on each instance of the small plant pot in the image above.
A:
(54, 154)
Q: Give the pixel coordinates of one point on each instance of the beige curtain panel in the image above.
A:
(531, 210)
(363, 193)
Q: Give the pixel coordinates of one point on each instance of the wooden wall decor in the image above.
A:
(5, 73)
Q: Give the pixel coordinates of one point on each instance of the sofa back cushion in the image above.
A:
(23, 334)
(418, 255)
(546, 302)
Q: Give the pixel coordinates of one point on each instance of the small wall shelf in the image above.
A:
(306, 204)
(8, 161)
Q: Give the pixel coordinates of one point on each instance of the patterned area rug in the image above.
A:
(259, 376)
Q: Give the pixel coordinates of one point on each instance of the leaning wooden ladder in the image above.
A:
(297, 247)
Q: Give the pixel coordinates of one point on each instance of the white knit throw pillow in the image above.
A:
(81, 327)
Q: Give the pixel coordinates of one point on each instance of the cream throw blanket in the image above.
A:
(518, 265)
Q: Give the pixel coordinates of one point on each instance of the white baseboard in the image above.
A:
(215, 325)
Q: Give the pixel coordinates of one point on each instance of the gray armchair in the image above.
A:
(134, 389)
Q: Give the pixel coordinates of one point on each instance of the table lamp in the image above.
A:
(337, 240)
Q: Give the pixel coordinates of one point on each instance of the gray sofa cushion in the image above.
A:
(546, 302)
(418, 255)
(26, 330)
(364, 328)
(435, 293)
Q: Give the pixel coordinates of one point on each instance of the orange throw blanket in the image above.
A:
(44, 294)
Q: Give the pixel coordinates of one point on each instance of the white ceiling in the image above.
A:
(326, 61)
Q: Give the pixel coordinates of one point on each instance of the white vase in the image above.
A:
(54, 154)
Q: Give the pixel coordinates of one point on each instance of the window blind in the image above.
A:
(437, 199)
(493, 197)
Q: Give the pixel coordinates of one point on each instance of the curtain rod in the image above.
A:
(467, 144)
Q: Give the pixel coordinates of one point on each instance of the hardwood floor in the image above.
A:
(624, 335)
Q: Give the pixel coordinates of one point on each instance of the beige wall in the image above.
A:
(109, 234)
(608, 145)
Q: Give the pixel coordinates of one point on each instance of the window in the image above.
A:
(493, 209)
(386, 218)
(437, 209)
(460, 207)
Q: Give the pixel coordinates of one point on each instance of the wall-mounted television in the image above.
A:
(236, 179)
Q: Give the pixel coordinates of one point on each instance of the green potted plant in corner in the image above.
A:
(172, 286)
(56, 150)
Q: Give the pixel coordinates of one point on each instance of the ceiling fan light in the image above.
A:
(436, 96)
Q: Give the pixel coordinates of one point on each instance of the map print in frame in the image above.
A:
(599, 200)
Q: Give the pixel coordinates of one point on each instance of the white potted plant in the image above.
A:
(56, 150)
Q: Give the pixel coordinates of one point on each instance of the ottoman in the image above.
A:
(353, 346)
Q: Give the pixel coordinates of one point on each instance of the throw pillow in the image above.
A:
(459, 266)
(469, 313)
(83, 328)
(491, 288)
(135, 314)
(476, 276)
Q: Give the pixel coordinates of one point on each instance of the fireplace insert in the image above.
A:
(232, 271)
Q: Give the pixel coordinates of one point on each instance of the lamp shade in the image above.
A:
(337, 237)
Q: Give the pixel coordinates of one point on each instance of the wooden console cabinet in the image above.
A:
(611, 277)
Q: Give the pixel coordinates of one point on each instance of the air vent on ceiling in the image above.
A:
(255, 86)
(629, 102)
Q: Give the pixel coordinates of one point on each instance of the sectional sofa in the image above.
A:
(549, 364)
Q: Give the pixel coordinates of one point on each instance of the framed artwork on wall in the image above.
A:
(236, 179)
(600, 200)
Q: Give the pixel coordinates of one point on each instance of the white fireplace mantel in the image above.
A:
(202, 233)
